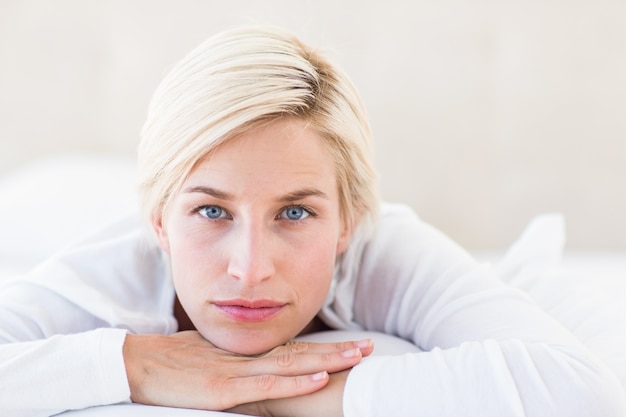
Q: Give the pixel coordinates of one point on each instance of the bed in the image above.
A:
(50, 203)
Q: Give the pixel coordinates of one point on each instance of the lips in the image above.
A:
(249, 310)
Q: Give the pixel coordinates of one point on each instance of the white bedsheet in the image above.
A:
(138, 410)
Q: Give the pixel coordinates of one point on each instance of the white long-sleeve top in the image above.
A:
(487, 350)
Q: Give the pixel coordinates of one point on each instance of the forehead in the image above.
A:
(280, 151)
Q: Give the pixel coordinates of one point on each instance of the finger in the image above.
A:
(366, 346)
(297, 362)
(265, 387)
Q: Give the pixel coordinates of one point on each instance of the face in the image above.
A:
(253, 235)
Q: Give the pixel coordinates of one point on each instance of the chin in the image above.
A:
(247, 343)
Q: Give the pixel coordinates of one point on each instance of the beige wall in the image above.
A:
(485, 112)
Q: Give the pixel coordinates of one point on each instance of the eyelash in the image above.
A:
(198, 210)
(308, 209)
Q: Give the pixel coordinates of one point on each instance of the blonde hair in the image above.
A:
(237, 80)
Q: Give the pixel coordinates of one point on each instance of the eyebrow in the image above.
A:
(302, 194)
(213, 192)
(287, 198)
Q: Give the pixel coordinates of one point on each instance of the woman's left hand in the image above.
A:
(327, 402)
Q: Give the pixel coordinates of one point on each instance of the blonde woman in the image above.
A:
(258, 192)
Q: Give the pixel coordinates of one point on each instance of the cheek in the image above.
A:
(189, 240)
(189, 258)
(313, 268)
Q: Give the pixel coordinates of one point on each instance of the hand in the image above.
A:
(327, 402)
(185, 370)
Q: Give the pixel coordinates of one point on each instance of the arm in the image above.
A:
(48, 345)
(489, 350)
(50, 359)
(46, 377)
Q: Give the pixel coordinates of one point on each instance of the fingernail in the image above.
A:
(365, 343)
(319, 376)
(351, 353)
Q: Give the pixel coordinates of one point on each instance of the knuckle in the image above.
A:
(267, 382)
(340, 346)
(298, 347)
(285, 360)
(298, 384)
(328, 357)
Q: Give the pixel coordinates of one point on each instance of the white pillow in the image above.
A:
(142, 410)
(384, 344)
(48, 204)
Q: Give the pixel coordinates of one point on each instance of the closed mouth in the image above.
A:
(250, 310)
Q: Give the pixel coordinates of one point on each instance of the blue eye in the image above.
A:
(211, 212)
(295, 213)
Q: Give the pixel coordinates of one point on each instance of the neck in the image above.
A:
(184, 322)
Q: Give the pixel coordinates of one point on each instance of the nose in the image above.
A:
(251, 258)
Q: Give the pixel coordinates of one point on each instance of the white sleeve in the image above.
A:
(63, 325)
(488, 350)
(50, 358)
(63, 372)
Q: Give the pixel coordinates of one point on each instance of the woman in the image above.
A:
(257, 185)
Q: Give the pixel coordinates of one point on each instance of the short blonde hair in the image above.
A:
(236, 80)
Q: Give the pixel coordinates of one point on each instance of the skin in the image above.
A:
(253, 236)
(257, 253)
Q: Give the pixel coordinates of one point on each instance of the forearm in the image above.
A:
(45, 377)
(488, 379)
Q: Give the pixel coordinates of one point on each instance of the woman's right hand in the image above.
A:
(185, 370)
